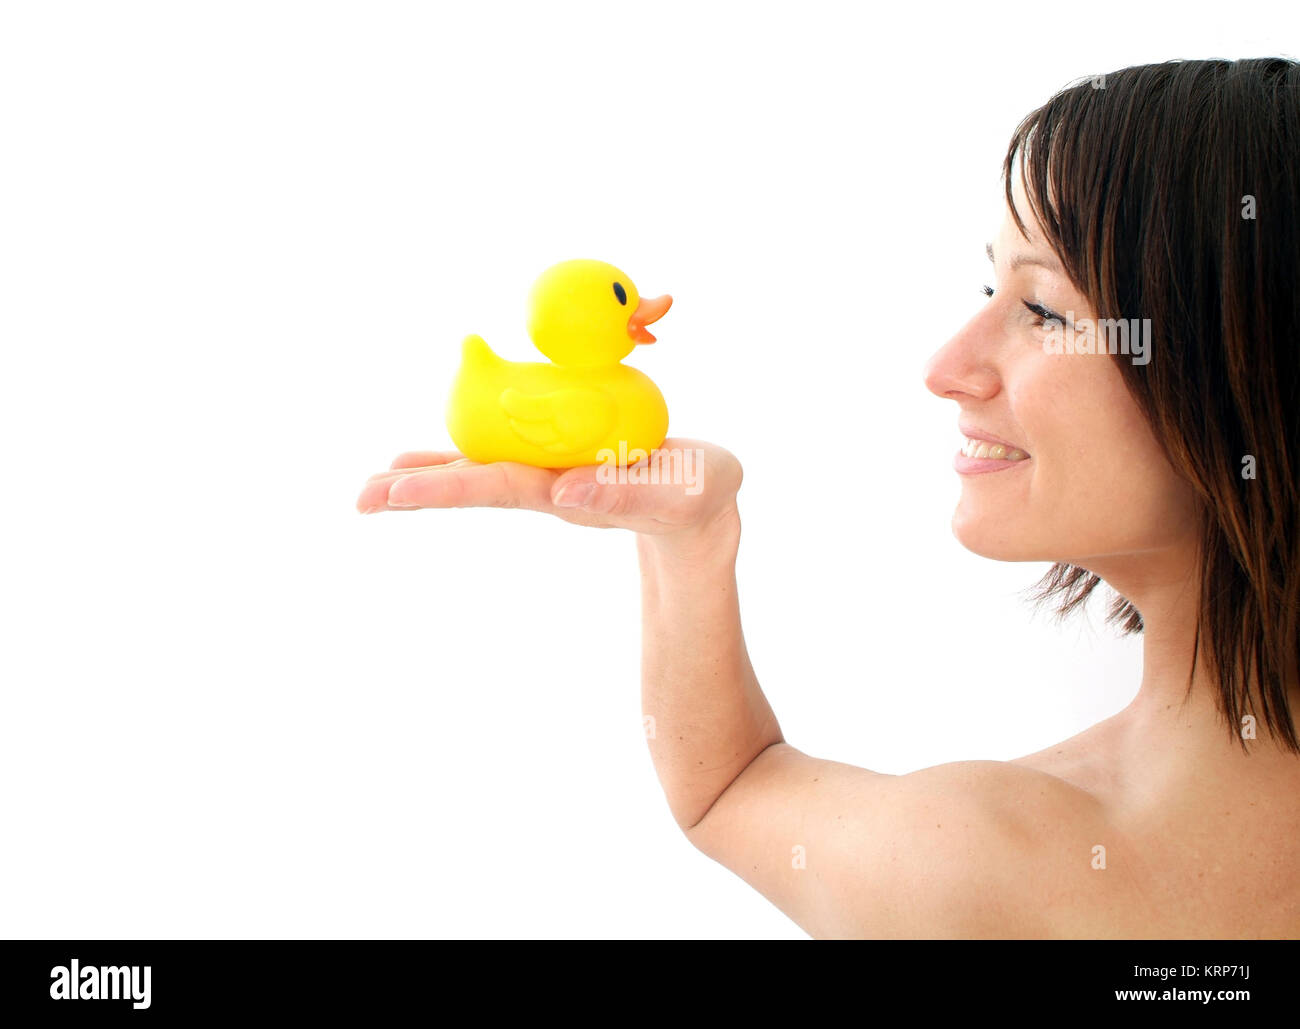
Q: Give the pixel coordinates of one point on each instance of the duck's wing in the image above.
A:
(563, 421)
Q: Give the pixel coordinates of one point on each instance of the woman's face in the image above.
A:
(1095, 484)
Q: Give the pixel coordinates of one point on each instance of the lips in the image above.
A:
(647, 311)
(975, 432)
(981, 450)
(984, 452)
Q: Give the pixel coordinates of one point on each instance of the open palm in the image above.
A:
(692, 489)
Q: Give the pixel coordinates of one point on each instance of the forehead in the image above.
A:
(1009, 234)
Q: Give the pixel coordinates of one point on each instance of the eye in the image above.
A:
(1047, 318)
(621, 293)
(1045, 315)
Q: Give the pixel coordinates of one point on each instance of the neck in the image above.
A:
(1168, 724)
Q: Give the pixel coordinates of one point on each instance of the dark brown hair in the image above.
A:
(1172, 192)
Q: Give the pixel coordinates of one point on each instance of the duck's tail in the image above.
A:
(475, 353)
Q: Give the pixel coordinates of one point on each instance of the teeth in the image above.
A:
(979, 448)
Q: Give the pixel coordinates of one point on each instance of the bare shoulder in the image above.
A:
(966, 849)
(1007, 852)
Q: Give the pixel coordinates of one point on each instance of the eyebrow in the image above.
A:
(1022, 259)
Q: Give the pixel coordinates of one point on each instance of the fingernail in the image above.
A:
(575, 494)
(394, 491)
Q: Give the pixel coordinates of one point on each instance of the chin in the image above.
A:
(993, 536)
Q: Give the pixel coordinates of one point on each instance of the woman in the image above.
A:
(1156, 450)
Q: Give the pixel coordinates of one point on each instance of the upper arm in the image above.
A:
(977, 848)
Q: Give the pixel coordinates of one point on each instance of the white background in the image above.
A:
(239, 246)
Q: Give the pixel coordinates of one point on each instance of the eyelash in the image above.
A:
(1045, 315)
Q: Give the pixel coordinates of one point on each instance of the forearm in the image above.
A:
(710, 718)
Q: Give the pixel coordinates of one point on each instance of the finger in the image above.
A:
(500, 484)
(664, 487)
(374, 495)
(425, 458)
(394, 473)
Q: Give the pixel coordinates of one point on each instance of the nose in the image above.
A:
(965, 365)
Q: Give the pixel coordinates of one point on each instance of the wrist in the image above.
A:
(714, 539)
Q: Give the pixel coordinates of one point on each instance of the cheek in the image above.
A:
(1098, 485)
(1103, 480)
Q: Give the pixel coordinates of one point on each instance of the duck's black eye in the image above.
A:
(621, 293)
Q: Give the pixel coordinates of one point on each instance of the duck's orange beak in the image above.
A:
(647, 311)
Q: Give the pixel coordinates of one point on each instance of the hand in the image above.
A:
(696, 488)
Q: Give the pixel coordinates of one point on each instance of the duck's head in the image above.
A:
(588, 313)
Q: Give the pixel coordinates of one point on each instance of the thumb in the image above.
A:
(596, 490)
(574, 488)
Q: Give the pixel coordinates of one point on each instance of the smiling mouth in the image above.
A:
(981, 449)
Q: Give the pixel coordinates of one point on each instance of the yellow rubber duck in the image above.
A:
(585, 406)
